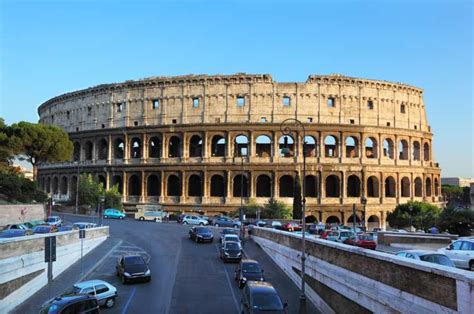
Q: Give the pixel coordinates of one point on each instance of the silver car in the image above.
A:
(427, 256)
(102, 290)
(461, 252)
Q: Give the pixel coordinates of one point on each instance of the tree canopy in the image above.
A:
(456, 220)
(456, 196)
(423, 216)
(272, 209)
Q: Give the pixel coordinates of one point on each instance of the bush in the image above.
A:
(458, 221)
(113, 198)
(424, 215)
(273, 209)
(16, 188)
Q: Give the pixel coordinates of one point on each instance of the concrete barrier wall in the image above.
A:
(13, 214)
(345, 279)
(415, 240)
(23, 270)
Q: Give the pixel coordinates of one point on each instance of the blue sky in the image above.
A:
(48, 48)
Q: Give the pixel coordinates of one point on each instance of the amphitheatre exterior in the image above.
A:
(191, 142)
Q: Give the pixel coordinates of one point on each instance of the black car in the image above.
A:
(227, 231)
(133, 267)
(13, 233)
(81, 303)
(180, 218)
(200, 234)
(231, 251)
(248, 270)
(261, 297)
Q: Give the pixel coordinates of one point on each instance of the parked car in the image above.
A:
(427, 256)
(34, 223)
(102, 290)
(226, 222)
(261, 223)
(276, 225)
(66, 228)
(83, 225)
(194, 220)
(261, 297)
(230, 238)
(248, 270)
(291, 226)
(200, 234)
(461, 252)
(324, 234)
(300, 233)
(82, 303)
(226, 231)
(13, 233)
(16, 227)
(338, 236)
(132, 267)
(151, 215)
(54, 221)
(45, 229)
(180, 218)
(363, 240)
(231, 251)
(114, 213)
(316, 228)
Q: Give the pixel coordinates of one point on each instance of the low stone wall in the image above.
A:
(22, 267)
(345, 279)
(13, 214)
(415, 240)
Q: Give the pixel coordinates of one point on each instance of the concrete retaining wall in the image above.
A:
(22, 267)
(415, 240)
(345, 279)
(13, 214)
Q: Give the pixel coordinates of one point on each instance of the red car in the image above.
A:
(363, 240)
(291, 226)
(324, 234)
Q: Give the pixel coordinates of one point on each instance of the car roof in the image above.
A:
(88, 283)
(70, 298)
(248, 260)
(421, 252)
(261, 286)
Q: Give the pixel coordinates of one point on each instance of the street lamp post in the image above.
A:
(76, 210)
(287, 127)
(101, 205)
(363, 201)
(238, 152)
(410, 208)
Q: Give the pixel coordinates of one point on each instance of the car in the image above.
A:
(45, 229)
(132, 267)
(261, 297)
(338, 236)
(151, 215)
(226, 222)
(231, 238)
(54, 221)
(427, 256)
(114, 213)
(66, 228)
(16, 227)
(226, 231)
(461, 252)
(82, 303)
(34, 223)
(13, 233)
(83, 225)
(104, 292)
(306, 234)
(363, 240)
(231, 251)
(200, 234)
(291, 226)
(276, 225)
(261, 223)
(180, 218)
(324, 234)
(316, 228)
(194, 220)
(248, 270)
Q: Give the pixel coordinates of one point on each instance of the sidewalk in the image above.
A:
(68, 277)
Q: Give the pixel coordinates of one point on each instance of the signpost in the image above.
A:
(82, 235)
(50, 255)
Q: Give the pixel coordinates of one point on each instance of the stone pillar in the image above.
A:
(126, 148)
(250, 182)
(144, 158)
(275, 148)
(343, 193)
(185, 145)
(340, 141)
(184, 185)
(107, 180)
(125, 186)
(143, 194)
(205, 185)
(109, 149)
(228, 146)
(229, 183)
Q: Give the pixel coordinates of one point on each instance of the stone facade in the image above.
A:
(179, 141)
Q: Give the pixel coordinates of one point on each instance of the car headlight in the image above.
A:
(199, 236)
(148, 273)
(238, 254)
(261, 279)
(244, 279)
(226, 254)
(126, 274)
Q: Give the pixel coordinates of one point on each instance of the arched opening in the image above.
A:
(370, 147)
(436, 183)
(103, 150)
(173, 186)
(372, 187)
(88, 150)
(332, 186)
(332, 220)
(388, 149)
(353, 186)
(311, 186)
(310, 146)
(426, 152)
(418, 187)
(373, 222)
(195, 146)
(118, 148)
(154, 147)
(428, 186)
(241, 145)
(76, 155)
(55, 185)
(48, 185)
(311, 219)
(286, 184)
(240, 186)
(136, 148)
(153, 183)
(195, 185)
(390, 187)
(174, 147)
(102, 181)
(117, 181)
(218, 186)
(403, 150)
(63, 188)
(416, 150)
(134, 185)
(286, 146)
(350, 220)
(352, 150)
(330, 147)
(264, 186)
(218, 146)
(405, 187)
(263, 146)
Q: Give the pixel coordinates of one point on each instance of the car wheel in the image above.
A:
(471, 265)
(201, 224)
(156, 219)
(141, 218)
(110, 302)
(241, 285)
(196, 239)
(216, 225)
(124, 280)
(121, 217)
(148, 279)
(236, 226)
(185, 222)
(105, 217)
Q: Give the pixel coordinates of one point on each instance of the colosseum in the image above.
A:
(204, 143)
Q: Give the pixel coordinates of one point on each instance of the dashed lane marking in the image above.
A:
(230, 284)
(100, 261)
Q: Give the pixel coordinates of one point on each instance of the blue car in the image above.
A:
(113, 213)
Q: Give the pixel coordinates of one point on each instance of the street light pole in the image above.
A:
(363, 201)
(410, 208)
(77, 189)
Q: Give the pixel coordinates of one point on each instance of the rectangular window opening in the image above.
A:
(103, 126)
(120, 107)
(195, 102)
(286, 101)
(352, 121)
(370, 104)
(174, 121)
(263, 119)
(135, 123)
(309, 120)
(416, 127)
(331, 102)
(218, 120)
(402, 108)
(240, 101)
(155, 104)
(68, 114)
(388, 123)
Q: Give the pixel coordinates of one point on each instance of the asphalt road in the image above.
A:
(186, 277)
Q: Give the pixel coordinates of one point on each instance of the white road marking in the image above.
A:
(124, 310)
(230, 285)
(100, 261)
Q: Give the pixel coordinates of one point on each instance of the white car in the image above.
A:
(54, 221)
(194, 220)
(102, 290)
(231, 238)
(84, 225)
(461, 252)
(427, 256)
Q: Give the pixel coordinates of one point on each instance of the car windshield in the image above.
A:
(437, 258)
(134, 260)
(228, 231)
(366, 237)
(232, 246)
(266, 302)
(345, 234)
(72, 290)
(51, 219)
(202, 230)
(251, 268)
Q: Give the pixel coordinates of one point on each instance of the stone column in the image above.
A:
(144, 158)
(107, 180)
(205, 185)
(228, 146)
(143, 194)
(229, 183)
(184, 185)
(185, 145)
(162, 187)
(109, 149)
(125, 186)
(275, 148)
(126, 148)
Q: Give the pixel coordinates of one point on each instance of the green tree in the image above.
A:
(113, 198)
(456, 196)
(274, 209)
(250, 210)
(297, 200)
(456, 221)
(90, 191)
(423, 216)
(16, 188)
